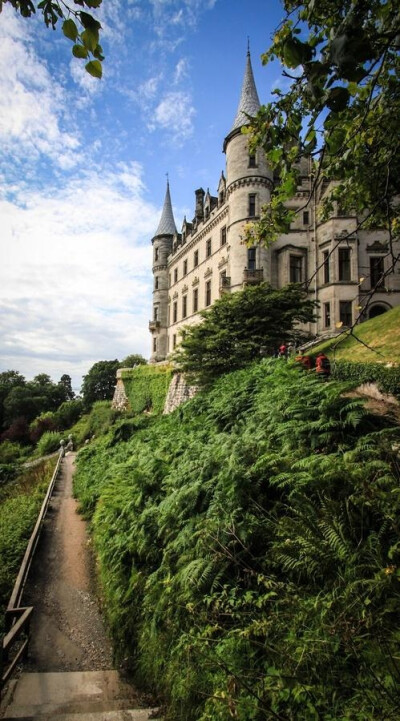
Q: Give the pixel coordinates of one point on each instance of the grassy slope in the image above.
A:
(381, 333)
(248, 551)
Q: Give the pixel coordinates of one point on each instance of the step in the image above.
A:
(67, 695)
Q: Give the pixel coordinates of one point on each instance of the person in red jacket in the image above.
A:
(322, 365)
(305, 360)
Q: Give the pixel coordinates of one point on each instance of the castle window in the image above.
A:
(175, 275)
(295, 269)
(221, 197)
(376, 269)
(345, 312)
(184, 306)
(195, 300)
(154, 345)
(155, 315)
(156, 282)
(208, 248)
(251, 259)
(175, 312)
(344, 264)
(327, 315)
(155, 253)
(223, 235)
(208, 293)
(252, 205)
(252, 161)
(325, 256)
(174, 341)
(185, 267)
(169, 280)
(195, 258)
(306, 217)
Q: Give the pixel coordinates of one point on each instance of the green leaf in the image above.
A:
(90, 39)
(88, 21)
(338, 99)
(79, 51)
(70, 30)
(94, 68)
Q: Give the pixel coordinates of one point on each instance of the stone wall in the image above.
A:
(179, 391)
(120, 400)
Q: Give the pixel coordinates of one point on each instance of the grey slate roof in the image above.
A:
(166, 225)
(249, 103)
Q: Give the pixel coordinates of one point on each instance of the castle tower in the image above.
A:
(248, 185)
(162, 246)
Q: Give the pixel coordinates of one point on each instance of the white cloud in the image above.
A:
(174, 113)
(31, 102)
(181, 70)
(75, 274)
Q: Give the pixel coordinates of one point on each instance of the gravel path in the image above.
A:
(68, 633)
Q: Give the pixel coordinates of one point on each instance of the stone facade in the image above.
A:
(120, 400)
(178, 392)
(208, 257)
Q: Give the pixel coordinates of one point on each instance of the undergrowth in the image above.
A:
(20, 502)
(248, 547)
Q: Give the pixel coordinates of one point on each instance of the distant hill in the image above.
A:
(381, 333)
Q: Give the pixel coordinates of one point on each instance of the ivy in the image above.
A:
(146, 387)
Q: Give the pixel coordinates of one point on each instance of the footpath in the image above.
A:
(69, 675)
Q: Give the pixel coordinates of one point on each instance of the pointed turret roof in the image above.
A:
(166, 225)
(249, 103)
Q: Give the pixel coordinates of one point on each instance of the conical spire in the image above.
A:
(166, 225)
(249, 103)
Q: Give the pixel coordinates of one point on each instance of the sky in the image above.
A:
(83, 166)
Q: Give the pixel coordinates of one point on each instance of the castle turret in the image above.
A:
(248, 186)
(162, 246)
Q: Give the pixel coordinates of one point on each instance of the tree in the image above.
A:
(77, 25)
(240, 327)
(8, 380)
(341, 112)
(99, 383)
(132, 360)
(65, 385)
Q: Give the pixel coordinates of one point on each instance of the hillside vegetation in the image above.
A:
(382, 334)
(248, 549)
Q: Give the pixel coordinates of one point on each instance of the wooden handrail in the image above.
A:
(18, 617)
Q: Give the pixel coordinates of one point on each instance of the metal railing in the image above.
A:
(17, 617)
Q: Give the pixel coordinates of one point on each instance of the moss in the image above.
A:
(146, 387)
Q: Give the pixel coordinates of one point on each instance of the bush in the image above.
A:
(387, 379)
(18, 512)
(10, 452)
(49, 443)
(69, 413)
(249, 549)
(97, 422)
(45, 422)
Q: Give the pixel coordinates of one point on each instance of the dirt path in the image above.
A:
(68, 633)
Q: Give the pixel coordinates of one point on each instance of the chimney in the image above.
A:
(199, 203)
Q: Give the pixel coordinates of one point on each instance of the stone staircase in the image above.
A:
(73, 696)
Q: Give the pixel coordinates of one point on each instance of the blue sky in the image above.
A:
(83, 166)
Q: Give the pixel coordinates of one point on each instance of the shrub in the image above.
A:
(10, 452)
(249, 550)
(48, 443)
(387, 379)
(97, 422)
(69, 413)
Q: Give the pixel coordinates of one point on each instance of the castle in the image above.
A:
(193, 268)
